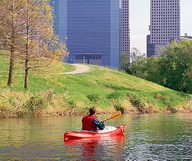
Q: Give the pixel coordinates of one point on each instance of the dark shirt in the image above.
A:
(99, 124)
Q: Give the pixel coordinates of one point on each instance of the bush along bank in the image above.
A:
(44, 104)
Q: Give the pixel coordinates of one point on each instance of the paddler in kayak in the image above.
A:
(91, 123)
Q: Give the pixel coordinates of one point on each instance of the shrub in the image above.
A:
(93, 97)
(116, 95)
(35, 104)
(11, 100)
(137, 103)
(71, 103)
(119, 107)
(159, 96)
(112, 86)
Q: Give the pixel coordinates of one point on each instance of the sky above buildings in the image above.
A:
(140, 21)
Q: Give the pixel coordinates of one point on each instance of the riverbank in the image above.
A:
(53, 93)
(15, 103)
(46, 104)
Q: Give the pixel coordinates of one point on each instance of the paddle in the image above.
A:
(113, 116)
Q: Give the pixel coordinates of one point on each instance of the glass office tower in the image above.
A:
(164, 25)
(90, 28)
(125, 31)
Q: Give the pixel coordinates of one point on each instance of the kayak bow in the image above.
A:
(109, 131)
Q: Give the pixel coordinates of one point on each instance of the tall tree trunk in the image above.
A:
(11, 67)
(12, 54)
(26, 74)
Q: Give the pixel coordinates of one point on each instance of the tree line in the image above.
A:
(26, 31)
(173, 69)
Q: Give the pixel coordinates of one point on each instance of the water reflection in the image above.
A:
(159, 137)
(91, 149)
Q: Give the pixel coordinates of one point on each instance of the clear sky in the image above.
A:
(140, 21)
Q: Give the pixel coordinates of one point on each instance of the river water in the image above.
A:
(147, 137)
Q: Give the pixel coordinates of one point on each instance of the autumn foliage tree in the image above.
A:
(10, 31)
(40, 41)
(36, 43)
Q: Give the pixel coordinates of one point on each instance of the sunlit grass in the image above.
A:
(104, 88)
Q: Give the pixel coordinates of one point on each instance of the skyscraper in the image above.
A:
(90, 29)
(164, 24)
(125, 31)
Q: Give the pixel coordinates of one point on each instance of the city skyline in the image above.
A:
(140, 21)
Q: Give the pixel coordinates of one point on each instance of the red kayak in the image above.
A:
(109, 131)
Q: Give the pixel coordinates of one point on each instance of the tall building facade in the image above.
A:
(91, 30)
(125, 30)
(164, 24)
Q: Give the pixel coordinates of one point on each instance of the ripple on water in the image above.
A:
(146, 138)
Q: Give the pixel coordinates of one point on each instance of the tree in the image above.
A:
(40, 40)
(28, 31)
(173, 69)
(175, 66)
(10, 31)
(136, 54)
(125, 62)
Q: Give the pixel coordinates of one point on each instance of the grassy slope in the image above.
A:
(102, 87)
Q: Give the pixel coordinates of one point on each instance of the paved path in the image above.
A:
(80, 68)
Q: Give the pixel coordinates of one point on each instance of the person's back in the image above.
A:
(90, 122)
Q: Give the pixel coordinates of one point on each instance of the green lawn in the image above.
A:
(104, 88)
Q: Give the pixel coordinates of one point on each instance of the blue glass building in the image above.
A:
(90, 28)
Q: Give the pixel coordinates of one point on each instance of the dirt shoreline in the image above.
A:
(44, 114)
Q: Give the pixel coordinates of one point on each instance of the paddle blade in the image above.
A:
(114, 116)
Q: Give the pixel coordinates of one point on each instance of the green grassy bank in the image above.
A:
(52, 93)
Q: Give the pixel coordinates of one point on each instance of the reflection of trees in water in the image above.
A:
(14, 131)
(110, 148)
